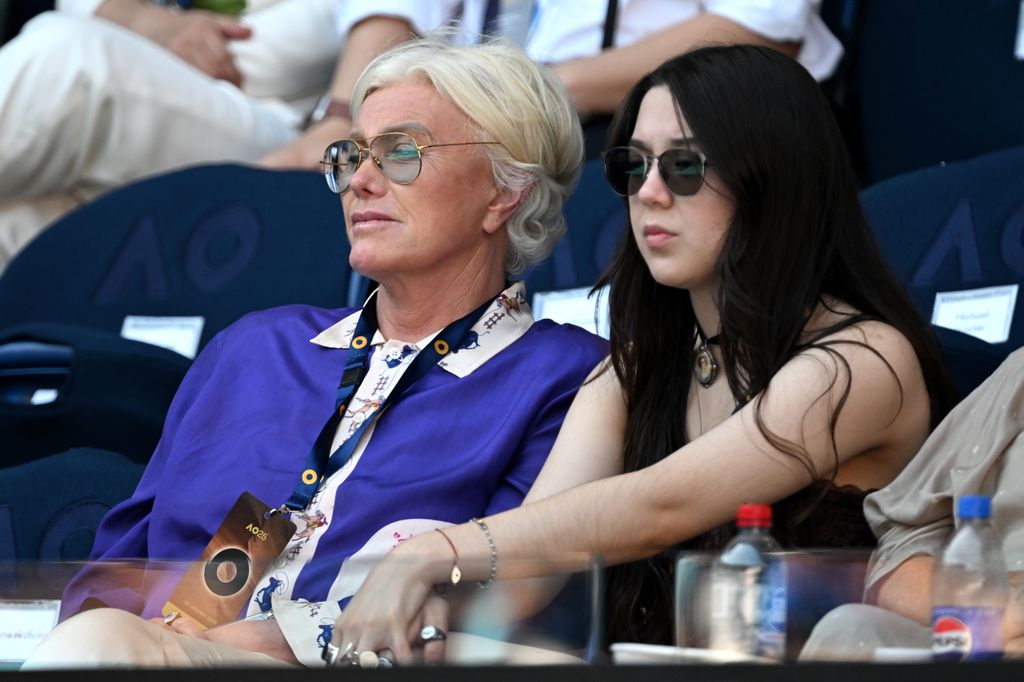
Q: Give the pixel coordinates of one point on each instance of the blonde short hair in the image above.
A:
(513, 101)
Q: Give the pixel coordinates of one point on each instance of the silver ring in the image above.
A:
(432, 633)
(171, 617)
(386, 660)
(332, 653)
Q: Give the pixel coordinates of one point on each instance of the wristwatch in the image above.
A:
(326, 107)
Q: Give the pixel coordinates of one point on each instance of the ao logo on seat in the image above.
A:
(958, 235)
(218, 249)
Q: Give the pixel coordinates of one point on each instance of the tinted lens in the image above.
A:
(340, 161)
(682, 170)
(626, 169)
(398, 156)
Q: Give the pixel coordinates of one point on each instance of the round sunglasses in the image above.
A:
(398, 156)
(682, 170)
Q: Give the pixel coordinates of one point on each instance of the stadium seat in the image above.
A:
(50, 507)
(211, 241)
(207, 244)
(64, 386)
(957, 229)
(935, 83)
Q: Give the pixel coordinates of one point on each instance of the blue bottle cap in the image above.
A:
(974, 507)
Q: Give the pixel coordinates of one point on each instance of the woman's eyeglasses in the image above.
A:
(397, 155)
(681, 169)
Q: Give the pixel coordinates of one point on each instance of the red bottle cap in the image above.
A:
(754, 516)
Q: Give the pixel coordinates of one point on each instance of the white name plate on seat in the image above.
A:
(572, 306)
(180, 334)
(23, 624)
(985, 313)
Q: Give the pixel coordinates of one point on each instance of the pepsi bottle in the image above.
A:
(748, 589)
(969, 588)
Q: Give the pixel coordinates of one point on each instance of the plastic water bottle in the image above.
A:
(969, 588)
(748, 589)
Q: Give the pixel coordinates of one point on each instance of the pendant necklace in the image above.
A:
(705, 367)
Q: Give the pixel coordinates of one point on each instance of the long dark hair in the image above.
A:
(797, 239)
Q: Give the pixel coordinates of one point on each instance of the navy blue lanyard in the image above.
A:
(321, 463)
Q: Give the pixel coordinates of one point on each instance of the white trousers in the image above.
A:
(86, 105)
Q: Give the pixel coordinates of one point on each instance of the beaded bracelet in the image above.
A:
(494, 552)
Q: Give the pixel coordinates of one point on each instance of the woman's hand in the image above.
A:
(394, 603)
(199, 37)
(306, 151)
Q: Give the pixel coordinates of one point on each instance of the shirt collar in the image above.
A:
(503, 322)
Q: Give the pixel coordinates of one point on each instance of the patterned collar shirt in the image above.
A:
(508, 318)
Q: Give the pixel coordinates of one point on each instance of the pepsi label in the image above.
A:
(967, 633)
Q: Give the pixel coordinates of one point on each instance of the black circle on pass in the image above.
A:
(242, 565)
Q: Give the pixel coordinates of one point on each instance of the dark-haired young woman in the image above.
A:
(761, 352)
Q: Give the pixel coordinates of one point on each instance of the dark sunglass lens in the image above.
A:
(625, 169)
(399, 157)
(682, 170)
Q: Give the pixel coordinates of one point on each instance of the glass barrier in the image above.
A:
(512, 622)
(809, 583)
(537, 621)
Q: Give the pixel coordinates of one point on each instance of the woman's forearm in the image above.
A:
(597, 84)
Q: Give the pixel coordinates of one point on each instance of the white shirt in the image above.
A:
(567, 29)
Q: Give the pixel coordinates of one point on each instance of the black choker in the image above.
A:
(705, 368)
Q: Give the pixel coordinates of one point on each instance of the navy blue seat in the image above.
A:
(214, 242)
(64, 386)
(933, 82)
(957, 227)
(50, 507)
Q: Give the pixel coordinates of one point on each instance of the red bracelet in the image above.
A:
(456, 573)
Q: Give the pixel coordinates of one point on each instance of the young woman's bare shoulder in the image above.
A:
(864, 339)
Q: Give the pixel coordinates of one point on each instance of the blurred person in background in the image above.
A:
(108, 91)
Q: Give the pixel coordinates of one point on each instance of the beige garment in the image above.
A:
(109, 638)
(976, 450)
(854, 632)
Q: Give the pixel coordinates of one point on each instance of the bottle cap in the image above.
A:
(754, 516)
(974, 507)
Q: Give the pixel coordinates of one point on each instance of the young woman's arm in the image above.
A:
(694, 489)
